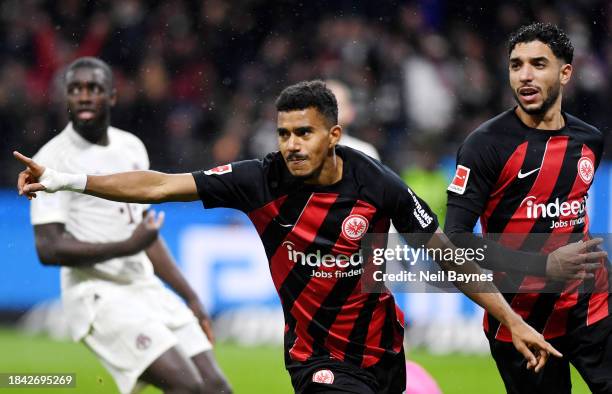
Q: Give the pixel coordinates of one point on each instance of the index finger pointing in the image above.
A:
(550, 349)
(24, 159)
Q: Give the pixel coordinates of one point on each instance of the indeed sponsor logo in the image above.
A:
(554, 209)
(316, 259)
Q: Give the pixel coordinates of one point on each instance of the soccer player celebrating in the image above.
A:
(311, 203)
(110, 255)
(529, 171)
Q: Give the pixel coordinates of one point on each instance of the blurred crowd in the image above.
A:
(197, 80)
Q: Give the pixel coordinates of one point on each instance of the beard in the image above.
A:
(551, 96)
(91, 129)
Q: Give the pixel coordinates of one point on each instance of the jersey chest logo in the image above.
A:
(522, 174)
(460, 180)
(586, 169)
(354, 227)
(219, 170)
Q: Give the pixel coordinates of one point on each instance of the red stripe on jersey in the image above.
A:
(541, 190)
(261, 217)
(398, 341)
(522, 303)
(373, 352)
(301, 236)
(556, 324)
(342, 327)
(340, 330)
(557, 320)
(313, 295)
(520, 225)
(598, 302)
(506, 177)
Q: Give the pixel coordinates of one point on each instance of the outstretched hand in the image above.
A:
(146, 232)
(28, 182)
(575, 260)
(532, 346)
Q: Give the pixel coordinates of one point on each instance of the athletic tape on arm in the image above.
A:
(54, 181)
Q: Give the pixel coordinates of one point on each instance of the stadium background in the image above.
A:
(196, 82)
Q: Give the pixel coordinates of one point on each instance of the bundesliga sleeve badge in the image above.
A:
(219, 170)
(460, 180)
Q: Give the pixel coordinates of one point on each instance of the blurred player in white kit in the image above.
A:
(112, 255)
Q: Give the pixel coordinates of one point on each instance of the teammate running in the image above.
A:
(528, 171)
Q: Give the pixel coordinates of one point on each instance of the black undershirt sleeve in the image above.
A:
(459, 225)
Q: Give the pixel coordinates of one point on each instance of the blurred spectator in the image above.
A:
(346, 116)
(197, 78)
(426, 177)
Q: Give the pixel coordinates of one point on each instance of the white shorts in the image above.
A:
(129, 333)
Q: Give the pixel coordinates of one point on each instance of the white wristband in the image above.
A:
(54, 181)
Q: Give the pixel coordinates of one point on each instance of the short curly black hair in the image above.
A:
(549, 34)
(307, 94)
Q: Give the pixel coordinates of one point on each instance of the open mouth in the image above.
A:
(85, 114)
(297, 162)
(528, 93)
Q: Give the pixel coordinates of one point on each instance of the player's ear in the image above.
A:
(565, 73)
(334, 135)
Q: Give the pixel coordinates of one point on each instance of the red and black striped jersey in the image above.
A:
(312, 237)
(521, 182)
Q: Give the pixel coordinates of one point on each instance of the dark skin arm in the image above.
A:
(56, 246)
(166, 269)
(135, 186)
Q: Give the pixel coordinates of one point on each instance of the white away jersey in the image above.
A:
(92, 219)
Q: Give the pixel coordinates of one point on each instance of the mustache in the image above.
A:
(296, 156)
(529, 86)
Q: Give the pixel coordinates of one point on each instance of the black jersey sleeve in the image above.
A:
(237, 185)
(409, 213)
(478, 167)
(467, 198)
(459, 225)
